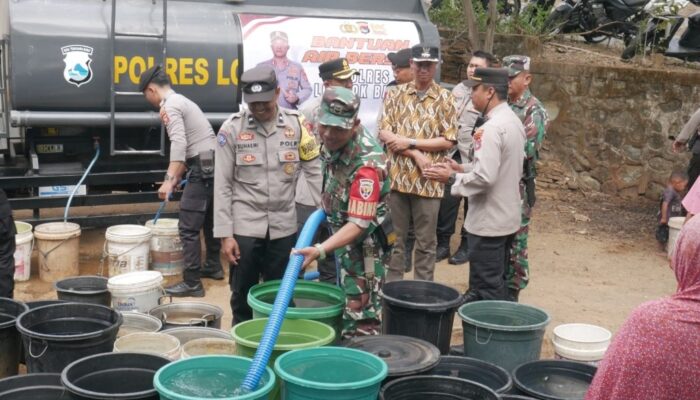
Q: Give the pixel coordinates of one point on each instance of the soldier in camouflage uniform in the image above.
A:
(534, 117)
(355, 190)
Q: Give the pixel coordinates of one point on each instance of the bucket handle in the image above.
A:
(195, 321)
(106, 254)
(476, 337)
(31, 353)
(46, 254)
(207, 319)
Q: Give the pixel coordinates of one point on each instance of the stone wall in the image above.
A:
(610, 124)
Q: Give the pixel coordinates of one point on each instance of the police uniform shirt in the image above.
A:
(188, 129)
(492, 180)
(256, 171)
(466, 118)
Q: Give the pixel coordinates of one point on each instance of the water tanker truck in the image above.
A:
(69, 71)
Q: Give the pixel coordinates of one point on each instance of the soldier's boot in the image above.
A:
(461, 256)
(513, 294)
(470, 296)
(442, 251)
(212, 267)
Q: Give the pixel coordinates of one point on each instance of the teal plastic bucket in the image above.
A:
(503, 332)
(294, 334)
(316, 301)
(325, 373)
(209, 377)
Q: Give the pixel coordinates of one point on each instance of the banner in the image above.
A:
(313, 41)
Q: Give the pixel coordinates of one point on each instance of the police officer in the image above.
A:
(335, 72)
(491, 182)
(292, 80)
(535, 119)
(7, 248)
(259, 155)
(449, 206)
(192, 143)
(357, 184)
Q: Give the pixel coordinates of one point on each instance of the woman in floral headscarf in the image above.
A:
(656, 353)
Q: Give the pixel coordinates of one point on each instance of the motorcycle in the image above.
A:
(597, 20)
(658, 33)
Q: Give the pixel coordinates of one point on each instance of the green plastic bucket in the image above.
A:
(503, 332)
(316, 301)
(209, 377)
(336, 373)
(294, 334)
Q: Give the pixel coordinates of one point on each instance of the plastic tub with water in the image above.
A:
(326, 373)
(24, 244)
(210, 377)
(479, 371)
(435, 388)
(160, 344)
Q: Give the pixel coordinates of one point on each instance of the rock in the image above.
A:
(581, 218)
(571, 184)
(588, 182)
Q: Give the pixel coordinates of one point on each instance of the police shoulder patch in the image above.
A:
(221, 139)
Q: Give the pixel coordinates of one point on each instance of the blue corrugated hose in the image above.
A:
(279, 309)
(77, 187)
(162, 205)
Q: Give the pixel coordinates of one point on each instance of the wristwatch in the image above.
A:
(412, 143)
(321, 251)
(168, 178)
(451, 179)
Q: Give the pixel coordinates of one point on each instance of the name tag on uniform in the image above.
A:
(243, 159)
(288, 156)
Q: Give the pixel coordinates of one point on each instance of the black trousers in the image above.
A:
(7, 259)
(260, 258)
(693, 169)
(196, 212)
(327, 270)
(488, 258)
(447, 216)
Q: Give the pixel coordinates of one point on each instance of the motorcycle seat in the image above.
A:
(635, 3)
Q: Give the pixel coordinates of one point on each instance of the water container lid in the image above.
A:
(135, 279)
(403, 354)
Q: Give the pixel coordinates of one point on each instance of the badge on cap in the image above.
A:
(337, 107)
(426, 52)
(256, 88)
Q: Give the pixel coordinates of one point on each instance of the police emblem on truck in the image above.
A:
(78, 70)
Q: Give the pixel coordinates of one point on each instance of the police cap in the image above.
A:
(424, 52)
(148, 75)
(400, 59)
(259, 84)
(488, 76)
(278, 35)
(338, 69)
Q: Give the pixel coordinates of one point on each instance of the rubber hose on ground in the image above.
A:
(279, 309)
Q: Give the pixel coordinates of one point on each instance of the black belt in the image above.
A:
(192, 161)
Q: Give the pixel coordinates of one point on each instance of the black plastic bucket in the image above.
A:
(9, 337)
(489, 375)
(420, 309)
(554, 379)
(113, 376)
(32, 305)
(516, 397)
(84, 289)
(33, 387)
(435, 388)
(56, 335)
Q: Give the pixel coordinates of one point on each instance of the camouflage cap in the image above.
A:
(516, 64)
(339, 107)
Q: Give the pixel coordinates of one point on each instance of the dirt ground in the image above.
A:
(593, 259)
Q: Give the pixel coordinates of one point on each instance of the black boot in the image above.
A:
(442, 251)
(513, 294)
(183, 289)
(461, 256)
(212, 267)
(470, 296)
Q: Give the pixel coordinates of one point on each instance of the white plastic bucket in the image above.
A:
(166, 247)
(136, 291)
(127, 247)
(208, 346)
(581, 342)
(160, 344)
(24, 244)
(674, 228)
(58, 244)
